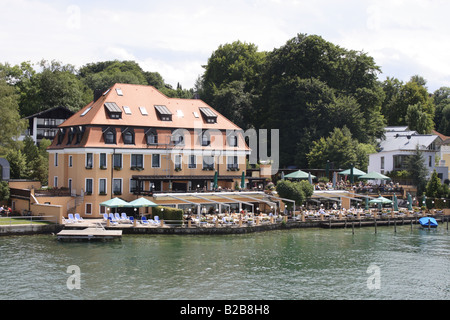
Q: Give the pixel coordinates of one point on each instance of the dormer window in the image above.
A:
(151, 136)
(128, 136)
(232, 139)
(208, 115)
(61, 133)
(113, 110)
(79, 134)
(164, 113)
(70, 135)
(205, 139)
(109, 135)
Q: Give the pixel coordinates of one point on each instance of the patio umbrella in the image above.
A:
(380, 201)
(374, 176)
(367, 204)
(410, 202)
(142, 202)
(395, 202)
(243, 180)
(309, 178)
(356, 172)
(115, 203)
(299, 175)
(215, 180)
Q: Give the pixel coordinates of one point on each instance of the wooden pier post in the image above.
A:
(375, 220)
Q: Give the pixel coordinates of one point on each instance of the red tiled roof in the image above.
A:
(135, 96)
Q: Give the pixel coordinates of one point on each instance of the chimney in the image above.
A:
(97, 94)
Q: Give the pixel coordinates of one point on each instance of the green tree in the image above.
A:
(17, 164)
(434, 187)
(416, 167)
(4, 190)
(297, 191)
(56, 85)
(11, 124)
(419, 120)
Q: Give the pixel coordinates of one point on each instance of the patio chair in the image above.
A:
(117, 216)
(124, 217)
(78, 217)
(105, 216)
(112, 218)
(144, 220)
(71, 218)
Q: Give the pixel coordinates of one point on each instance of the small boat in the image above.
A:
(428, 222)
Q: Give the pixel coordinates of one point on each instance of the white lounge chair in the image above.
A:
(71, 218)
(78, 217)
(125, 218)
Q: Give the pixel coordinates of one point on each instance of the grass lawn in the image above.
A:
(12, 220)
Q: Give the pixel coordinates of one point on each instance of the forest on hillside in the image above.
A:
(328, 102)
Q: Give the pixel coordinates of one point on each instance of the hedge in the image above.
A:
(168, 213)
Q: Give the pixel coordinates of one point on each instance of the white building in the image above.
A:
(399, 143)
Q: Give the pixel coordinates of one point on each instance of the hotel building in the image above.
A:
(132, 140)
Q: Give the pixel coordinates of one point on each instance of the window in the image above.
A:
(137, 161)
(208, 162)
(180, 114)
(109, 135)
(127, 110)
(156, 161)
(61, 133)
(117, 186)
(178, 162)
(430, 161)
(89, 185)
(89, 160)
(232, 163)
(192, 162)
(55, 182)
(117, 160)
(143, 111)
(113, 110)
(128, 137)
(382, 163)
(152, 136)
(233, 139)
(56, 159)
(70, 161)
(102, 161)
(102, 186)
(208, 115)
(88, 209)
(86, 111)
(163, 113)
(196, 114)
(136, 185)
(205, 139)
(119, 92)
(79, 134)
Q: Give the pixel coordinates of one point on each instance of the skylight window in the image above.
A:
(196, 114)
(143, 111)
(180, 114)
(86, 111)
(119, 92)
(127, 110)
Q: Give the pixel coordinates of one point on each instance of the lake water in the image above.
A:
(277, 265)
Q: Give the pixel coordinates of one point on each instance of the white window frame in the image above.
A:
(106, 185)
(159, 155)
(85, 209)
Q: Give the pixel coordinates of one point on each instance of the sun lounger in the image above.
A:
(144, 221)
(78, 217)
(112, 217)
(124, 218)
(111, 221)
(72, 218)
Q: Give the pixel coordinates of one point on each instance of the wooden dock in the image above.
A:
(90, 234)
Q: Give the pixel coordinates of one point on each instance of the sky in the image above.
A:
(175, 38)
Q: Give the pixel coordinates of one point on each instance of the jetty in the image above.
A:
(95, 233)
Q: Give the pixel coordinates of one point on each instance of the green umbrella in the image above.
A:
(142, 202)
(356, 172)
(374, 176)
(215, 180)
(381, 200)
(243, 180)
(299, 175)
(395, 203)
(410, 202)
(115, 203)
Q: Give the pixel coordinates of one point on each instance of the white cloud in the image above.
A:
(175, 38)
